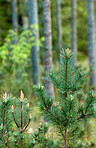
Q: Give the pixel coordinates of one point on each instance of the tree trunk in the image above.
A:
(92, 41)
(25, 22)
(48, 45)
(74, 30)
(58, 15)
(14, 18)
(25, 16)
(33, 20)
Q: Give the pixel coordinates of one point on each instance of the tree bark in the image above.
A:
(14, 18)
(48, 45)
(59, 30)
(25, 16)
(33, 20)
(25, 22)
(92, 41)
(74, 30)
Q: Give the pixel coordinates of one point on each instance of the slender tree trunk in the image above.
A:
(14, 18)
(74, 30)
(48, 45)
(59, 30)
(25, 22)
(33, 20)
(24, 16)
(92, 41)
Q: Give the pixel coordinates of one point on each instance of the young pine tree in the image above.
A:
(68, 114)
(14, 121)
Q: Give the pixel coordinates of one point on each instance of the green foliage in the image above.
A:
(68, 111)
(14, 121)
(15, 62)
(40, 138)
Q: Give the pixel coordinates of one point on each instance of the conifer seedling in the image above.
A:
(14, 121)
(68, 113)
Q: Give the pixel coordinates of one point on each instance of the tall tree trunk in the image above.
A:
(48, 45)
(59, 31)
(92, 41)
(14, 15)
(25, 22)
(24, 16)
(33, 20)
(14, 18)
(74, 30)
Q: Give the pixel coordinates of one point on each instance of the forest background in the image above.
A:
(73, 24)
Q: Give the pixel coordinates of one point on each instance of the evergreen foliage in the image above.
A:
(14, 121)
(41, 139)
(68, 114)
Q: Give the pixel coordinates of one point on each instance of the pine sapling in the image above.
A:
(68, 114)
(22, 120)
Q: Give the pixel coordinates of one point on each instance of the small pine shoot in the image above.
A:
(41, 139)
(68, 111)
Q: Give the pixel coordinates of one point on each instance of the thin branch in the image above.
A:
(76, 81)
(3, 136)
(55, 80)
(47, 107)
(5, 142)
(52, 114)
(84, 115)
(7, 138)
(15, 120)
(88, 105)
(20, 141)
(26, 126)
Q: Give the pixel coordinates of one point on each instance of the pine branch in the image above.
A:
(20, 141)
(5, 142)
(26, 126)
(55, 81)
(64, 112)
(15, 121)
(84, 115)
(88, 105)
(76, 81)
(47, 108)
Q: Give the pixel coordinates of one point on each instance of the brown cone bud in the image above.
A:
(67, 51)
(21, 96)
(2, 126)
(4, 97)
(30, 115)
(28, 105)
(12, 108)
(33, 140)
